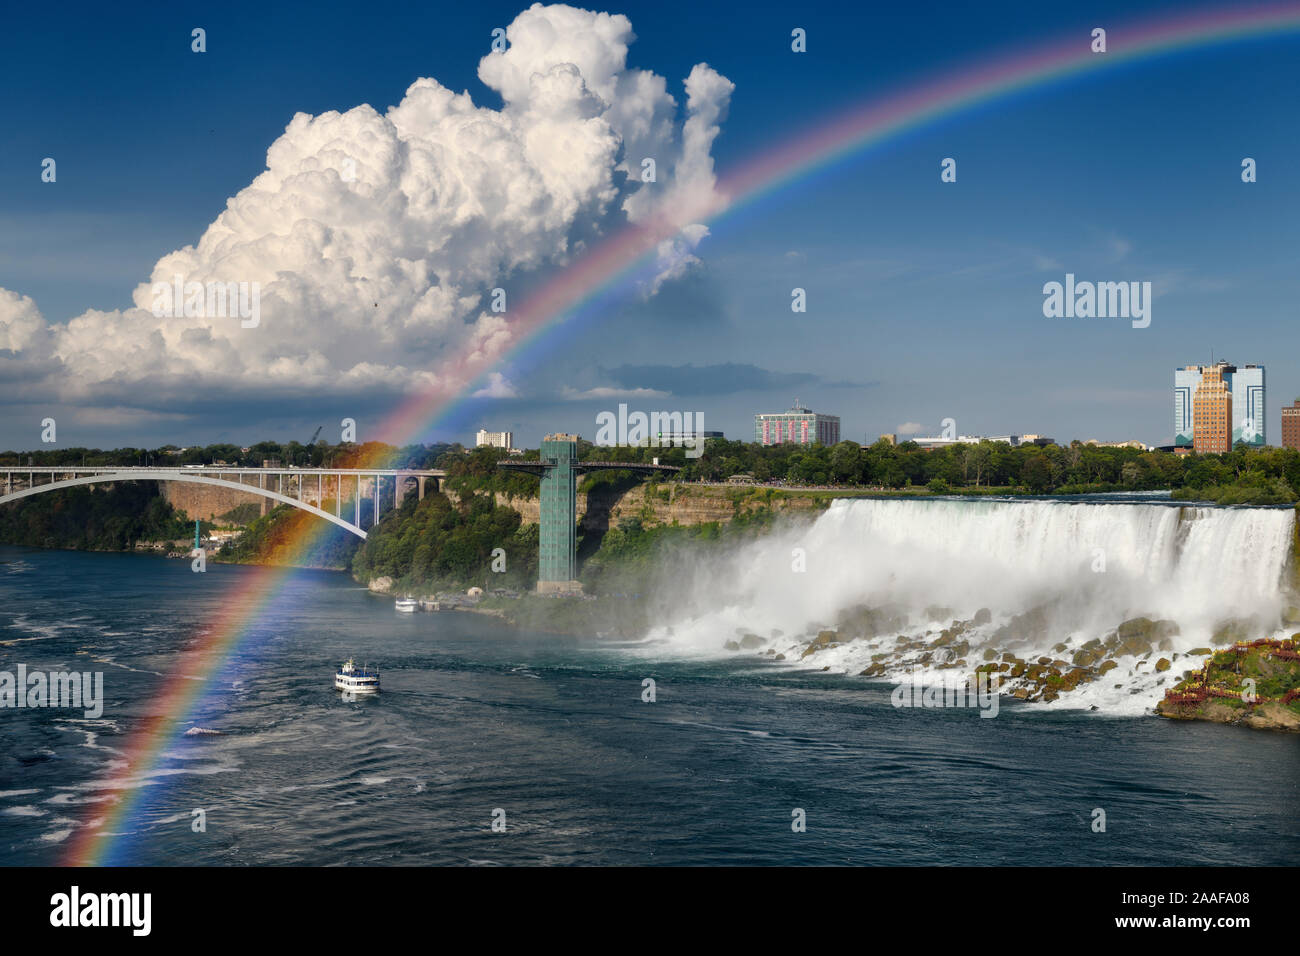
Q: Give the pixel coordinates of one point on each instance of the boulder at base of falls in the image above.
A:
(1272, 717)
(862, 621)
(1136, 635)
(1030, 627)
(1229, 631)
(751, 641)
(1085, 656)
(823, 639)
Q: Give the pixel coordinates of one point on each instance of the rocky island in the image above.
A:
(1254, 684)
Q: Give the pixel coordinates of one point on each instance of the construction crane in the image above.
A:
(312, 442)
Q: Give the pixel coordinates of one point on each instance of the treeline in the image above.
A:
(435, 543)
(1030, 468)
(90, 518)
(476, 470)
(1245, 475)
(1242, 476)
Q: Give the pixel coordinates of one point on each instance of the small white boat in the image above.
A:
(356, 680)
(408, 604)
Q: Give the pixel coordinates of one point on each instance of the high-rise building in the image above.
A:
(1248, 405)
(1212, 412)
(1246, 418)
(800, 425)
(495, 439)
(1291, 425)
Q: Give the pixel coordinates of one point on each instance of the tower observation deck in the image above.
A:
(559, 468)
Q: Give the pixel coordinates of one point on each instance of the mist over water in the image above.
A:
(1081, 569)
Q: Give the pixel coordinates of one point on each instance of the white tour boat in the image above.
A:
(408, 604)
(357, 680)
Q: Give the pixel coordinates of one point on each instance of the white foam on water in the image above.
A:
(1195, 565)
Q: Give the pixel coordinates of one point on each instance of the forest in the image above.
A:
(436, 542)
(94, 518)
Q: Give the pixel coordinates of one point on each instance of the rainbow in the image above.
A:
(610, 269)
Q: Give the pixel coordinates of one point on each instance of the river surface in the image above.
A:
(475, 718)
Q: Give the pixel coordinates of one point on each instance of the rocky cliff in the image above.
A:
(603, 508)
(205, 501)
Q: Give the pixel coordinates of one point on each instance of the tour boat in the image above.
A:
(357, 680)
(408, 604)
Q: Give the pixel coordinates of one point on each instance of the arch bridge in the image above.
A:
(289, 486)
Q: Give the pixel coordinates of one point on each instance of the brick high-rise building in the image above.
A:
(1212, 412)
(1245, 384)
(1291, 425)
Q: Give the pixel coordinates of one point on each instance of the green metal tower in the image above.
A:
(558, 466)
(558, 534)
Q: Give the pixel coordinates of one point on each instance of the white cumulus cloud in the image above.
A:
(374, 240)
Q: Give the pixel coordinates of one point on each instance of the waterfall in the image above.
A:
(1079, 570)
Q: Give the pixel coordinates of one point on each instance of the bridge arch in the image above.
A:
(181, 476)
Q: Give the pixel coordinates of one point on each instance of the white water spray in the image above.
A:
(1083, 569)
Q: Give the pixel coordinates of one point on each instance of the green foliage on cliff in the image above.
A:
(91, 518)
(434, 544)
(244, 514)
(290, 537)
(629, 553)
(477, 471)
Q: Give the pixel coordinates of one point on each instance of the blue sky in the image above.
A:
(925, 299)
